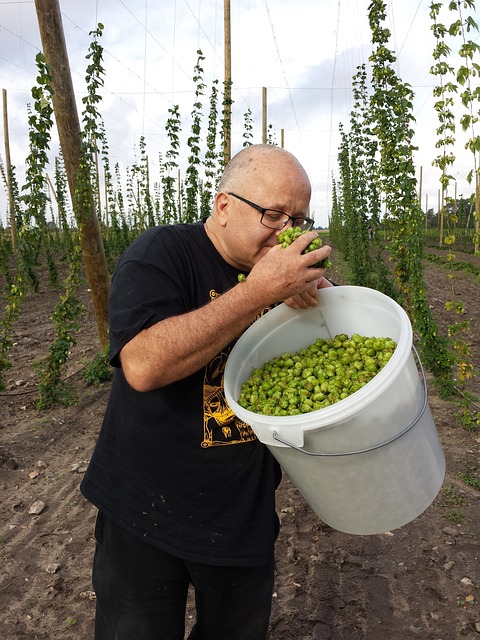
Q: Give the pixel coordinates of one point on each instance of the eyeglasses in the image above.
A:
(274, 219)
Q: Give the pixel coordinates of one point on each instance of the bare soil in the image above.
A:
(419, 581)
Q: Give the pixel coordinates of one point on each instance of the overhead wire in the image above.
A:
(199, 22)
(144, 67)
(122, 64)
(21, 38)
(239, 91)
(331, 101)
(410, 27)
(282, 68)
(202, 29)
(393, 32)
(174, 35)
(154, 38)
(144, 92)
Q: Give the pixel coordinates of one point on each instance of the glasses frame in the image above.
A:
(307, 223)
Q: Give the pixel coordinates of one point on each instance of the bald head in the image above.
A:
(251, 164)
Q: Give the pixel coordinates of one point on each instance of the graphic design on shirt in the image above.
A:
(220, 425)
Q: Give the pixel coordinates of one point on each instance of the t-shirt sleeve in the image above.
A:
(141, 295)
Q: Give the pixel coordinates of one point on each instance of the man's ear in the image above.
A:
(222, 204)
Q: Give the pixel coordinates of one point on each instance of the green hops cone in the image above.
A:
(286, 237)
(315, 377)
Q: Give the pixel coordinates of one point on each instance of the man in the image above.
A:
(185, 491)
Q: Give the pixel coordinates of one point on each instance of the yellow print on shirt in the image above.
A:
(220, 425)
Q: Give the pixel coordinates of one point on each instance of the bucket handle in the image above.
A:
(378, 446)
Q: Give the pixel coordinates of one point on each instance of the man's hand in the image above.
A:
(285, 273)
(309, 297)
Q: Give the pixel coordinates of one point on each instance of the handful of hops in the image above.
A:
(286, 237)
(315, 377)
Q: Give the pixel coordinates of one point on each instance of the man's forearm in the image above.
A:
(178, 346)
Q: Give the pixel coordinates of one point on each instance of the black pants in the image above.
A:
(142, 593)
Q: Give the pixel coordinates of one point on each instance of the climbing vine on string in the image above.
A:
(451, 82)
(211, 155)
(31, 222)
(192, 181)
(392, 124)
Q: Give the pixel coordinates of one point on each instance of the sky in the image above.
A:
(303, 53)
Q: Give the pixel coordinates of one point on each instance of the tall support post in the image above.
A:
(54, 194)
(455, 210)
(66, 116)
(8, 167)
(227, 107)
(264, 115)
(476, 243)
(440, 216)
(179, 198)
(97, 182)
(107, 212)
(426, 211)
(420, 186)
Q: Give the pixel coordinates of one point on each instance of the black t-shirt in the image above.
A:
(175, 466)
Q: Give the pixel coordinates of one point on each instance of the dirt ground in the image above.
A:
(419, 581)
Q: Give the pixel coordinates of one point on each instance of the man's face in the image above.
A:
(245, 239)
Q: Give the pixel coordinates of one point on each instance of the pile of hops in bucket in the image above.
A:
(315, 377)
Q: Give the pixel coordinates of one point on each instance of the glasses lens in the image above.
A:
(304, 224)
(278, 220)
(274, 219)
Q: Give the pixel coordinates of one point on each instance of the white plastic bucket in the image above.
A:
(371, 462)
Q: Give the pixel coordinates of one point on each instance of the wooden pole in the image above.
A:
(264, 115)
(227, 107)
(97, 180)
(426, 211)
(477, 215)
(420, 186)
(107, 221)
(147, 176)
(455, 212)
(54, 193)
(440, 217)
(8, 167)
(179, 191)
(66, 116)
(282, 138)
